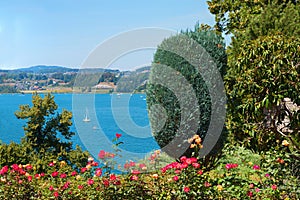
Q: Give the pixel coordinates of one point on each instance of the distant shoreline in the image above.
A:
(67, 91)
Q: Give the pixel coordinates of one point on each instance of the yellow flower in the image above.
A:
(220, 188)
(250, 163)
(78, 177)
(285, 143)
(196, 137)
(63, 163)
(192, 146)
(198, 141)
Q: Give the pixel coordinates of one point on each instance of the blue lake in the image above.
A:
(108, 114)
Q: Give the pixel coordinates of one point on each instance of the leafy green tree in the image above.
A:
(263, 74)
(236, 17)
(250, 19)
(166, 98)
(47, 137)
(44, 125)
(262, 81)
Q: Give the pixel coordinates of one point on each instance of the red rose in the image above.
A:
(54, 174)
(56, 194)
(98, 172)
(74, 173)
(90, 182)
(274, 187)
(112, 177)
(132, 164)
(83, 169)
(196, 165)
(186, 189)
(183, 159)
(80, 187)
(135, 172)
(106, 183)
(4, 170)
(256, 167)
(249, 194)
(63, 176)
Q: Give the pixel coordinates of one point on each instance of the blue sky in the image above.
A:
(64, 32)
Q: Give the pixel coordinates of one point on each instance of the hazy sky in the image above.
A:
(64, 32)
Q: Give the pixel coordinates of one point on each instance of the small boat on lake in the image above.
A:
(86, 117)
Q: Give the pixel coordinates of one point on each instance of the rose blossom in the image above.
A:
(186, 189)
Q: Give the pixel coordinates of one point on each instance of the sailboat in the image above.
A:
(86, 117)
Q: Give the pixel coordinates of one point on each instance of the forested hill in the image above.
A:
(43, 77)
(43, 69)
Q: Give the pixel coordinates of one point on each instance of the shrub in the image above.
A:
(41, 143)
(168, 66)
(241, 174)
(259, 78)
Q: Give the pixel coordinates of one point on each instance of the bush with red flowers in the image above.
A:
(241, 174)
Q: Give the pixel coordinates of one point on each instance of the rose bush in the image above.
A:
(241, 174)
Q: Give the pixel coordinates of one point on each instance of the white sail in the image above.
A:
(86, 117)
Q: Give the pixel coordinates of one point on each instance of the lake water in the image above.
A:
(109, 114)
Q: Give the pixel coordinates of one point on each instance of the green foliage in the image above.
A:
(165, 97)
(47, 136)
(44, 124)
(275, 19)
(241, 174)
(13, 153)
(256, 16)
(23, 154)
(264, 72)
(255, 174)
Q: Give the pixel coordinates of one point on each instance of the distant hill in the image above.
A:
(97, 70)
(43, 69)
(3, 70)
(42, 77)
(134, 81)
(143, 69)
